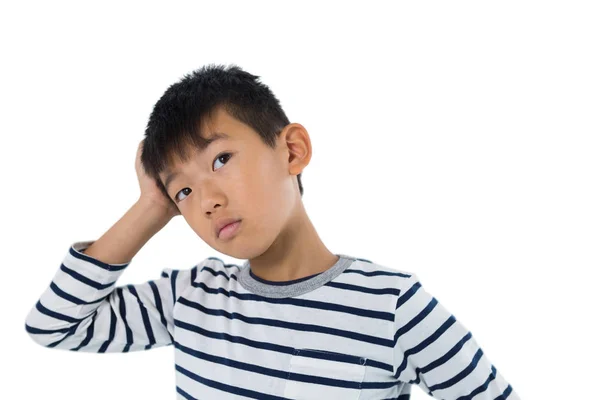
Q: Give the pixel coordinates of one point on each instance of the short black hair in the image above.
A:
(174, 124)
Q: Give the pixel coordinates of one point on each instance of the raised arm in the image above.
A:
(83, 309)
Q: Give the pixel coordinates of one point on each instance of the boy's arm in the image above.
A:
(435, 351)
(83, 310)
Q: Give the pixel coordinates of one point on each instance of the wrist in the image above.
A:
(154, 209)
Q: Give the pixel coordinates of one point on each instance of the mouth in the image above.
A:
(228, 231)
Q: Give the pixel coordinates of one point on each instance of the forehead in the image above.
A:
(193, 149)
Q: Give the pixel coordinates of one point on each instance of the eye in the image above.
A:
(222, 155)
(225, 155)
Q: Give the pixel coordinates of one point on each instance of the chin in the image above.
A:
(243, 251)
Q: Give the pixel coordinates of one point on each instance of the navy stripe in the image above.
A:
(232, 363)
(54, 314)
(505, 394)
(365, 260)
(193, 274)
(408, 294)
(482, 388)
(420, 316)
(75, 300)
(185, 394)
(289, 325)
(376, 273)
(282, 374)
(39, 331)
(84, 279)
(89, 334)
(159, 306)
(362, 289)
(174, 274)
(98, 263)
(227, 388)
(145, 318)
(215, 273)
(401, 397)
(424, 344)
(461, 375)
(259, 345)
(314, 304)
(70, 331)
(449, 354)
(123, 313)
(112, 330)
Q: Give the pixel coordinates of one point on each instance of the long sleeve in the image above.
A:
(435, 351)
(83, 310)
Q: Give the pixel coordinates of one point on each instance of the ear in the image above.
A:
(295, 141)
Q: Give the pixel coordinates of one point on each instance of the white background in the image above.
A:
(457, 140)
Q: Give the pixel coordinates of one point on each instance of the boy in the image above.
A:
(295, 321)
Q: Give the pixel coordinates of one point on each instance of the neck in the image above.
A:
(296, 253)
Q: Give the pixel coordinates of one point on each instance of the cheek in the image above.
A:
(263, 194)
(257, 179)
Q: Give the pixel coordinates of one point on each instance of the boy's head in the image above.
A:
(253, 172)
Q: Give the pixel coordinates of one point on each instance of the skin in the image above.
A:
(258, 185)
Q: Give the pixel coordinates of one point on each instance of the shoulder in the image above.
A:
(207, 269)
(365, 270)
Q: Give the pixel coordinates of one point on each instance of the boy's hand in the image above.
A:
(150, 191)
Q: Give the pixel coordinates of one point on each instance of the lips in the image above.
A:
(222, 223)
(229, 231)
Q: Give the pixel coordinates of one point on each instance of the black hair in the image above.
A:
(174, 124)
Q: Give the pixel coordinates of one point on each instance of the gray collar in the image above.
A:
(293, 289)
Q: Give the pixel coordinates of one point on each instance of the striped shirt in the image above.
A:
(358, 330)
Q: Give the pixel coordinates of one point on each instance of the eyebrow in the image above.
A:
(214, 137)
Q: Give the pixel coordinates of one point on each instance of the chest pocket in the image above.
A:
(318, 374)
